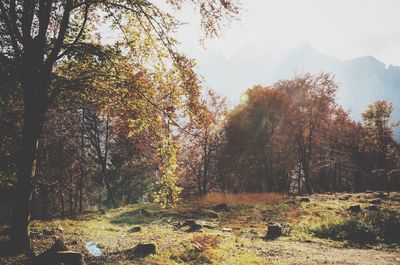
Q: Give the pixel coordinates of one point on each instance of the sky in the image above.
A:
(343, 29)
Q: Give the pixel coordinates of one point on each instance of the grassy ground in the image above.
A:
(315, 232)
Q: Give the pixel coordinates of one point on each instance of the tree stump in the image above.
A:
(273, 231)
(143, 250)
(58, 254)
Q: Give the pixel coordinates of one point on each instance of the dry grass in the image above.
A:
(202, 242)
(242, 198)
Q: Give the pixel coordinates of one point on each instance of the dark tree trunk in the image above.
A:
(34, 112)
(34, 86)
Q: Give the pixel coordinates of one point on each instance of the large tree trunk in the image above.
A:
(35, 106)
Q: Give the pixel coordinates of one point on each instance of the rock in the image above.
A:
(380, 194)
(273, 231)
(135, 229)
(368, 191)
(305, 199)
(193, 226)
(57, 246)
(143, 250)
(225, 229)
(48, 232)
(209, 213)
(373, 207)
(146, 212)
(375, 201)
(102, 211)
(291, 202)
(344, 197)
(354, 208)
(222, 207)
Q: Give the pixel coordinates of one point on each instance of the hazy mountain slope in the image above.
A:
(361, 80)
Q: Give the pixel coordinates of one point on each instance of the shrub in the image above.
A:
(352, 230)
(387, 224)
(376, 227)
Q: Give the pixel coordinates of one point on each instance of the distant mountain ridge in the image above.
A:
(361, 80)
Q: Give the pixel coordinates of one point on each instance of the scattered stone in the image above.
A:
(35, 234)
(146, 212)
(344, 197)
(291, 202)
(368, 191)
(193, 226)
(375, 201)
(305, 199)
(209, 213)
(380, 194)
(143, 250)
(48, 232)
(135, 229)
(226, 229)
(273, 231)
(373, 207)
(222, 207)
(208, 224)
(355, 208)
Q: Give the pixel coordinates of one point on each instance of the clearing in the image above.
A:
(200, 233)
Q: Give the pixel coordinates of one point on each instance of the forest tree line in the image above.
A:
(109, 147)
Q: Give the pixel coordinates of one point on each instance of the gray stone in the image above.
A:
(135, 229)
(354, 208)
(304, 199)
(222, 207)
(373, 207)
(375, 201)
(193, 226)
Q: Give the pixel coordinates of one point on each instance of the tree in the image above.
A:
(378, 140)
(312, 100)
(37, 35)
(257, 140)
(199, 148)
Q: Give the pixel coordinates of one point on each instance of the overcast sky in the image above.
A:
(341, 28)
